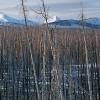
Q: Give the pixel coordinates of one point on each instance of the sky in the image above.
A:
(66, 9)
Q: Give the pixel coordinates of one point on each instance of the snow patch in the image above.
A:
(53, 19)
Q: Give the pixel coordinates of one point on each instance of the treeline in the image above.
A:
(59, 68)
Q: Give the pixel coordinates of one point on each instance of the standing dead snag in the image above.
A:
(56, 89)
(56, 82)
(86, 56)
(97, 63)
(29, 47)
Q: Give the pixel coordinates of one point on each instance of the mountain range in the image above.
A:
(53, 21)
(7, 20)
(72, 23)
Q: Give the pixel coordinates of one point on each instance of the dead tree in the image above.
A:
(56, 88)
(30, 50)
(86, 56)
(55, 70)
(97, 63)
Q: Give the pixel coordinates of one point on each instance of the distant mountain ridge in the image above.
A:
(5, 19)
(53, 21)
(72, 23)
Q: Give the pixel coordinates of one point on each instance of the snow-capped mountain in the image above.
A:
(5, 19)
(53, 19)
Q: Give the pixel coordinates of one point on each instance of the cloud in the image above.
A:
(61, 8)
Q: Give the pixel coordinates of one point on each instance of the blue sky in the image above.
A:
(62, 8)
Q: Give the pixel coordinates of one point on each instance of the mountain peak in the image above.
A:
(53, 19)
(3, 17)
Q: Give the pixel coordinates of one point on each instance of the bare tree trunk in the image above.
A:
(97, 63)
(87, 64)
(29, 47)
(55, 70)
(86, 56)
(70, 82)
(44, 66)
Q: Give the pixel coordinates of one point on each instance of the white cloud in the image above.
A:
(63, 8)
